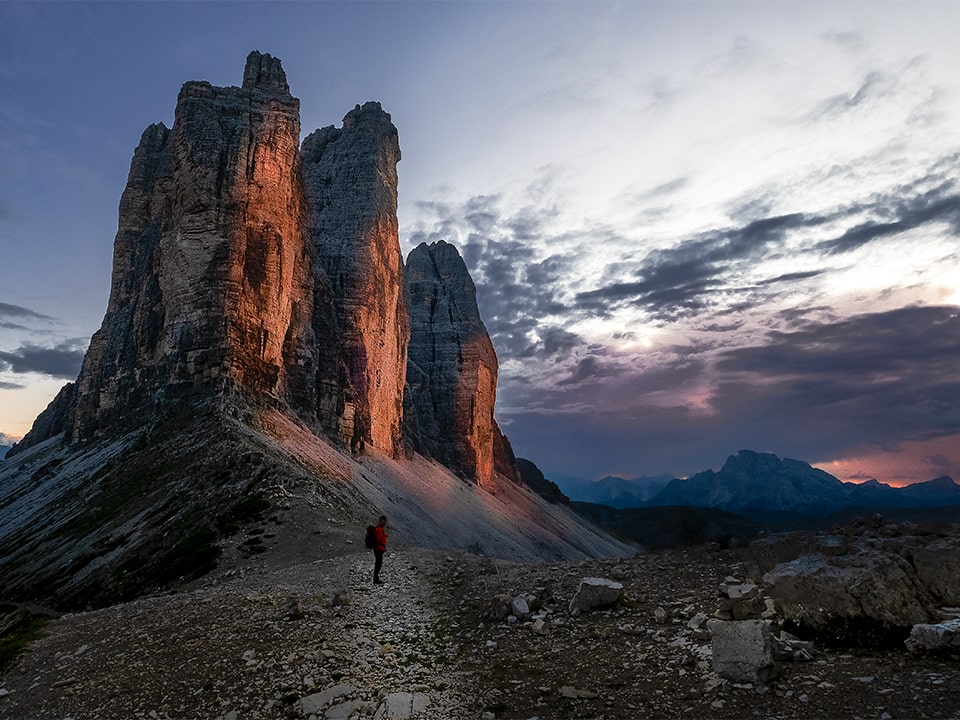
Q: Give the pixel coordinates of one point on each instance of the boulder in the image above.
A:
(938, 566)
(313, 704)
(520, 608)
(869, 588)
(540, 627)
(744, 601)
(935, 637)
(500, 606)
(787, 647)
(402, 705)
(595, 593)
(742, 650)
(833, 545)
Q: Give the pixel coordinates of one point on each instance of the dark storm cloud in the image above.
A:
(792, 277)
(694, 275)
(881, 377)
(827, 389)
(10, 385)
(602, 384)
(518, 290)
(588, 369)
(669, 290)
(685, 279)
(908, 214)
(62, 361)
(941, 464)
(16, 311)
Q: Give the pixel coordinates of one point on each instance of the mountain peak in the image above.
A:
(258, 296)
(264, 72)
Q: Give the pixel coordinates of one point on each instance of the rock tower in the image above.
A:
(249, 266)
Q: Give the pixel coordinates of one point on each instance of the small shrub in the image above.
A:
(16, 639)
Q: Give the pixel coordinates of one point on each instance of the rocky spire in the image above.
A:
(452, 368)
(211, 285)
(350, 176)
(264, 72)
(244, 264)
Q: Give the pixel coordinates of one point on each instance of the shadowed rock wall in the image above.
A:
(452, 368)
(350, 176)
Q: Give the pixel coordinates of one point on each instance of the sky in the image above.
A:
(695, 227)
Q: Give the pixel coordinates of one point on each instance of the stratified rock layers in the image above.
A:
(248, 264)
(452, 368)
(350, 175)
(211, 286)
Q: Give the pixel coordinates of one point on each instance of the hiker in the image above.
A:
(379, 548)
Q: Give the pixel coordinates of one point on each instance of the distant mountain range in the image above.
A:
(757, 485)
(763, 487)
(3, 451)
(615, 492)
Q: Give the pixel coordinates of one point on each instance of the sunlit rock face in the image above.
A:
(211, 285)
(247, 263)
(452, 368)
(350, 176)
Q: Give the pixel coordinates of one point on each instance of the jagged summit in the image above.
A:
(371, 111)
(264, 72)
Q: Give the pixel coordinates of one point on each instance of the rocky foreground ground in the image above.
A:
(317, 639)
(290, 626)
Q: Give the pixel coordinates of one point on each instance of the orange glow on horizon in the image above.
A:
(908, 463)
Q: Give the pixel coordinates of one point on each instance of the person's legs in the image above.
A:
(377, 564)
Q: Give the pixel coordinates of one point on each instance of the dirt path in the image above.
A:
(314, 640)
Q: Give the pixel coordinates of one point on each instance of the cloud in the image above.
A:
(62, 361)
(908, 213)
(7, 439)
(875, 85)
(16, 311)
(10, 385)
(588, 369)
(679, 281)
(846, 39)
(874, 378)
(827, 389)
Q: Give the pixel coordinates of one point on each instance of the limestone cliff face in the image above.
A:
(350, 176)
(258, 310)
(452, 368)
(248, 264)
(211, 286)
